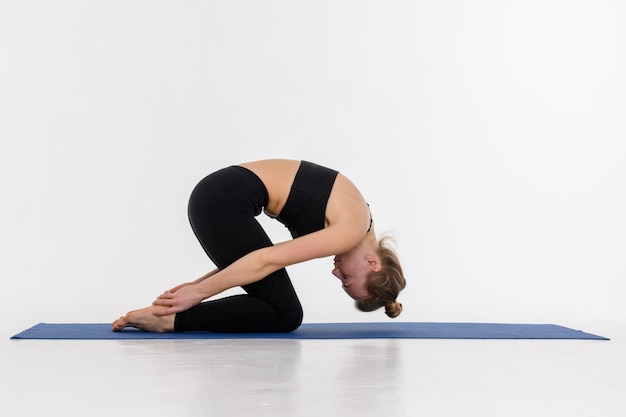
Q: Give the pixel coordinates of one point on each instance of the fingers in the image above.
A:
(164, 302)
(166, 311)
(176, 302)
(168, 300)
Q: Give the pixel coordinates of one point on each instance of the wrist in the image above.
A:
(204, 289)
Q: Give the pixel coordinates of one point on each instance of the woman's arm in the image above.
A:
(260, 263)
(197, 281)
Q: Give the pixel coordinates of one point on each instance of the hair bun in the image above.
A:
(393, 309)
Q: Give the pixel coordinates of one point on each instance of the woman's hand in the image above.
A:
(178, 299)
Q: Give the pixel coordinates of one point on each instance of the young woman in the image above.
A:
(326, 215)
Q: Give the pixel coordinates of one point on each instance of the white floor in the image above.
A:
(317, 377)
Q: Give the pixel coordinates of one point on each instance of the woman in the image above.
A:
(326, 215)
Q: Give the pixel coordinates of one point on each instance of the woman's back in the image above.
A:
(344, 204)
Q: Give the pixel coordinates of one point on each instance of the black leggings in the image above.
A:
(222, 211)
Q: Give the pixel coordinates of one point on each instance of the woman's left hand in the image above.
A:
(177, 300)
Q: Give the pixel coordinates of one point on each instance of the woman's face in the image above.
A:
(352, 270)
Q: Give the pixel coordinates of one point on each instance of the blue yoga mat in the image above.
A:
(402, 330)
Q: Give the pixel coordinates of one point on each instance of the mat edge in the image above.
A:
(190, 335)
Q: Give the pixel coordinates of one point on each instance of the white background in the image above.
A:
(488, 137)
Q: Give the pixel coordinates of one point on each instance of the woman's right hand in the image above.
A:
(178, 299)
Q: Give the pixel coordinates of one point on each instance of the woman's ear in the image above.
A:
(374, 263)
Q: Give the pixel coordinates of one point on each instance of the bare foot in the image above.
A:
(144, 319)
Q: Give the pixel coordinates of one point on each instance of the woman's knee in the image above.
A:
(291, 319)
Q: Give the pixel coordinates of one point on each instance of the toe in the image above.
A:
(119, 324)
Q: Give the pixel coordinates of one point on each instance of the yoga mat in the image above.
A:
(402, 330)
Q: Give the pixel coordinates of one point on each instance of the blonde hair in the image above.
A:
(385, 285)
